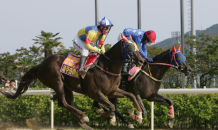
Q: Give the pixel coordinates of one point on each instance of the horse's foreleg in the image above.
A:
(126, 121)
(116, 112)
(121, 94)
(160, 98)
(144, 112)
(99, 106)
(100, 97)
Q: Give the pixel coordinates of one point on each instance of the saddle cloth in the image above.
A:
(70, 65)
(134, 70)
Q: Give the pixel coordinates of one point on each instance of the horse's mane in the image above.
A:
(111, 48)
(161, 55)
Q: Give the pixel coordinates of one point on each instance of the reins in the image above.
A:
(126, 60)
(165, 64)
(102, 69)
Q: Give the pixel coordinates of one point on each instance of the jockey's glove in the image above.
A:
(98, 50)
(150, 60)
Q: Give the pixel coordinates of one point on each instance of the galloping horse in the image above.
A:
(146, 87)
(98, 83)
(2, 78)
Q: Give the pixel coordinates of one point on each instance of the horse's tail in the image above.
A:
(24, 84)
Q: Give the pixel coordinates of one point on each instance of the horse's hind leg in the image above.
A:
(59, 89)
(160, 98)
(69, 97)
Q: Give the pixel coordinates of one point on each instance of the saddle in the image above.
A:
(70, 66)
(125, 78)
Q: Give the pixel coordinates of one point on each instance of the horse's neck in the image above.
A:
(158, 71)
(114, 54)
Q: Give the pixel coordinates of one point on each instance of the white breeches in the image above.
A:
(80, 46)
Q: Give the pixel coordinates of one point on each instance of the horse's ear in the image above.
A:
(130, 36)
(123, 37)
(179, 47)
(173, 50)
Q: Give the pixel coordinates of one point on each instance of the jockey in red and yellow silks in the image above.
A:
(84, 39)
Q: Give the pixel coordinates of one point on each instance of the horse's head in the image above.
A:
(179, 60)
(130, 51)
(2, 78)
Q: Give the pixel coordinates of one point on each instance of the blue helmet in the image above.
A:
(105, 22)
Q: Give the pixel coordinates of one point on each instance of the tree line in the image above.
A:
(203, 62)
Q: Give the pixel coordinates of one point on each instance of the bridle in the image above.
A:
(126, 60)
(164, 64)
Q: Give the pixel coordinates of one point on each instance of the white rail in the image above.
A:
(161, 91)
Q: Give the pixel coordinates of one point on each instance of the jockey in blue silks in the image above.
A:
(141, 38)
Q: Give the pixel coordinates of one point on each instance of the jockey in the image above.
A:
(141, 38)
(84, 39)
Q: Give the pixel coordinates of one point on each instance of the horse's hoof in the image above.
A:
(85, 119)
(130, 111)
(113, 120)
(139, 120)
(113, 123)
(85, 126)
(131, 126)
(171, 123)
(100, 111)
(139, 117)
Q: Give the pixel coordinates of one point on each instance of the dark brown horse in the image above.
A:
(98, 84)
(2, 78)
(144, 87)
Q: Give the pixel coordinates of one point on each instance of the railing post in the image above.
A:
(52, 111)
(152, 115)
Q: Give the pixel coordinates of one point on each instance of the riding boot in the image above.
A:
(125, 69)
(81, 65)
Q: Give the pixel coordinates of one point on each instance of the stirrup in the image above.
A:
(82, 71)
(126, 73)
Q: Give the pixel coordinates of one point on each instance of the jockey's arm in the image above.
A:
(101, 44)
(143, 51)
(89, 38)
(90, 47)
(102, 48)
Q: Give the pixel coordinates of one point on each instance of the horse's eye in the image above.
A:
(178, 57)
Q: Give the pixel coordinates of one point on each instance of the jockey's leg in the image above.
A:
(126, 69)
(81, 65)
(80, 46)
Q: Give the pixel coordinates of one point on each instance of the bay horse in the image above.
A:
(98, 83)
(146, 87)
(2, 78)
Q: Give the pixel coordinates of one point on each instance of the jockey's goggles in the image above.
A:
(107, 28)
(149, 41)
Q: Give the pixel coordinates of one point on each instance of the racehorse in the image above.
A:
(146, 86)
(2, 78)
(98, 83)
